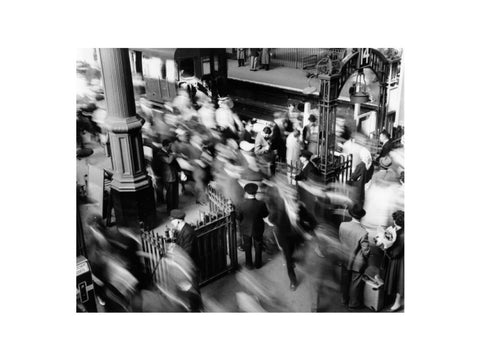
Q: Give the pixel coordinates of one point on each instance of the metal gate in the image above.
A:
(216, 238)
(215, 252)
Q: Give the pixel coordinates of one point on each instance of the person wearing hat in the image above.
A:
(361, 175)
(264, 149)
(166, 169)
(356, 250)
(251, 214)
(186, 237)
(385, 174)
(387, 145)
(311, 135)
(241, 57)
(308, 169)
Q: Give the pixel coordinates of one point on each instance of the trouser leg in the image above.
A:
(287, 248)
(159, 190)
(356, 290)
(247, 246)
(258, 251)
(175, 196)
(346, 276)
(172, 195)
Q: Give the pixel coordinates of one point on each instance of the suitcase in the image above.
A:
(373, 294)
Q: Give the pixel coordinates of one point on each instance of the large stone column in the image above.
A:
(132, 191)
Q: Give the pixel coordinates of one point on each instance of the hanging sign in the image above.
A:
(364, 57)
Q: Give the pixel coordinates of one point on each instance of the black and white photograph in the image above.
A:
(239, 202)
(240, 180)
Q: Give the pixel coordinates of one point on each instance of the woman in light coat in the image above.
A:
(294, 147)
(265, 59)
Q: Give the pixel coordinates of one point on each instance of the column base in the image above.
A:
(133, 207)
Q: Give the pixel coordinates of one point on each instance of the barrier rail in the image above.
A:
(215, 251)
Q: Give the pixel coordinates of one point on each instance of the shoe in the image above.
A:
(293, 286)
(395, 309)
(249, 267)
(258, 266)
(100, 301)
(240, 248)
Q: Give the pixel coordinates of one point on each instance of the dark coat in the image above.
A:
(386, 148)
(395, 274)
(241, 54)
(187, 239)
(165, 166)
(250, 214)
(308, 172)
(265, 59)
(358, 180)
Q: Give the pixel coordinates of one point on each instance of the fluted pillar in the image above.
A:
(132, 191)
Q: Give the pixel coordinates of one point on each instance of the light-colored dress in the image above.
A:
(294, 146)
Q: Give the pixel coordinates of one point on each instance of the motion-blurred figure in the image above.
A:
(384, 196)
(282, 230)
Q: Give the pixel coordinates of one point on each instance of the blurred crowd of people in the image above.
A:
(195, 138)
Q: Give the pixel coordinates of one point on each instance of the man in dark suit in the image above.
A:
(308, 170)
(356, 249)
(387, 145)
(166, 169)
(186, 237)
(251, 214)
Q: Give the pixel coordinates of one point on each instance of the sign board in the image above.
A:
(364, 57)
(85, 290)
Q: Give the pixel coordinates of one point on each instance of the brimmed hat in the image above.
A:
(385, 162)
(307, 154)
(251, 188)
(356, 211)
(177, 214)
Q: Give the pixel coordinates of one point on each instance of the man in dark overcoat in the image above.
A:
(250, 214)
(308, 170)
(166, 169)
